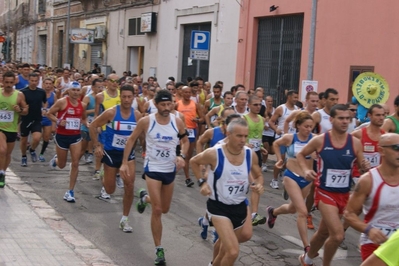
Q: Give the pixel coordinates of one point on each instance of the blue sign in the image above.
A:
(200, 40)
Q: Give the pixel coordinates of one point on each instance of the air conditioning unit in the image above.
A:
(99, 33)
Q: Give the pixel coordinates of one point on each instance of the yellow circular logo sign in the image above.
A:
(370, 88)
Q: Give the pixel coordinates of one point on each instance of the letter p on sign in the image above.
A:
(200, 40)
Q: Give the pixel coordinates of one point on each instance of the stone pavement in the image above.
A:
(33, 233)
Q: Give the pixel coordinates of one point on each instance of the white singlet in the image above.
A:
(229, 183)
(152, 109)
(89, 90)
(325, 124)
(281, 120)
(381, 207)
(135, 104)
(351, 126)
(161, 142)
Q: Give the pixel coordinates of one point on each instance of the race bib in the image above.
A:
(191, 133)
(6, 116)
(119, 141)
(72, 123)
(373, 158)
(386, 230)
(337, 178)
(298, 147)
(235, 188)
(161, 153)
(255, 143)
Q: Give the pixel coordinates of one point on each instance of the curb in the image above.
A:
(82, 247)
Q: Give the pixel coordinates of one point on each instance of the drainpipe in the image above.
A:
(312, 40)
(67, 32)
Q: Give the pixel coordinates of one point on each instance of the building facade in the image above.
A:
(273, 47)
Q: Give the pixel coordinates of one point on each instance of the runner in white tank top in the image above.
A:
(324, 124)
(377, 193)
(322, 116)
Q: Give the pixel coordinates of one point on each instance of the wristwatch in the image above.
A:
(201, 181)
(182, 155)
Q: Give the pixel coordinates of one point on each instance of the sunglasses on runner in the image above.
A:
(113, 80)
(394, 147)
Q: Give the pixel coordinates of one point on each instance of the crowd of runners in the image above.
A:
(221, 138)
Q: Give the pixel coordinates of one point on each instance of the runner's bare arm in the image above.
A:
(204, 139)
(388, 125)
(22, 104)
(313, 145)
(354, 208)
(99, 101)
(101, 120)
(57, 106)
(363, 163)
(289, 119)
(357, 133)
(316, 118)
(141, 127)
(285, 141)
(200, 113)
(211, 113)
(273, 120)
(256, 174)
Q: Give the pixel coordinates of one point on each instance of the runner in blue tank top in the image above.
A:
(336, 151)
(295, 184)
(119, 121)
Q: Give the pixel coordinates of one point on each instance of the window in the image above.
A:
(135, 26)
(42, 6)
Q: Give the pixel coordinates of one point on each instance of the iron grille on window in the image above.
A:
(42, 6)
(135, 26)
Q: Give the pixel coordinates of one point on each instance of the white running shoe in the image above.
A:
(69, 196)
(274, 184)
(53, 162)
(264, 168)
(104, 194)
(119, 181)
(124, 225)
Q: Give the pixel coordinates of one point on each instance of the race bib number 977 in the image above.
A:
(337, 178)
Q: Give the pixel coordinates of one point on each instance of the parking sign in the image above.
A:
(199, 45)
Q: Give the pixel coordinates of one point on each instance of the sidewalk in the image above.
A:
(32, 233)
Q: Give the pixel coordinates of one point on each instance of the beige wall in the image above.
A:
(224, 38)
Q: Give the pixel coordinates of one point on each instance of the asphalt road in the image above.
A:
(98, 221)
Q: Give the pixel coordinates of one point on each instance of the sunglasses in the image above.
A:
(394, 147)
(113, 80)
(353, 110)
(257, 104)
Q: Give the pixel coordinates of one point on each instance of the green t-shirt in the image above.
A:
(8, 117)
(396, 122)
(388, 252)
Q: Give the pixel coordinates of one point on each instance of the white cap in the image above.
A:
(74, 85)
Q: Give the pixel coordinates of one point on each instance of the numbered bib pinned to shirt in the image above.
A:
(191, 133)
(119, 141)
(72, 123)
(338, 178)
(161, 153)
(6, 116)
(255, 144)
(373, 158)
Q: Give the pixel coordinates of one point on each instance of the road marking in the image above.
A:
(339, 255)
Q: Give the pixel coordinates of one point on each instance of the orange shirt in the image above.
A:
(190, 112)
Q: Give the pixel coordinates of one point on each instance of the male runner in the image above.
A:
(119, 121)
(255, 129)
(163, 131)
(369, 137)
(277, 124)
(70, 116)
(227, 184)
(12, 105)
(193, 115)
(31, 123)
(336, 150)
(376, 193)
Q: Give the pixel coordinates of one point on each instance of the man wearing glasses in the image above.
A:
(337, 151)
(376, 193)
(354, 122)
(106, 100)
